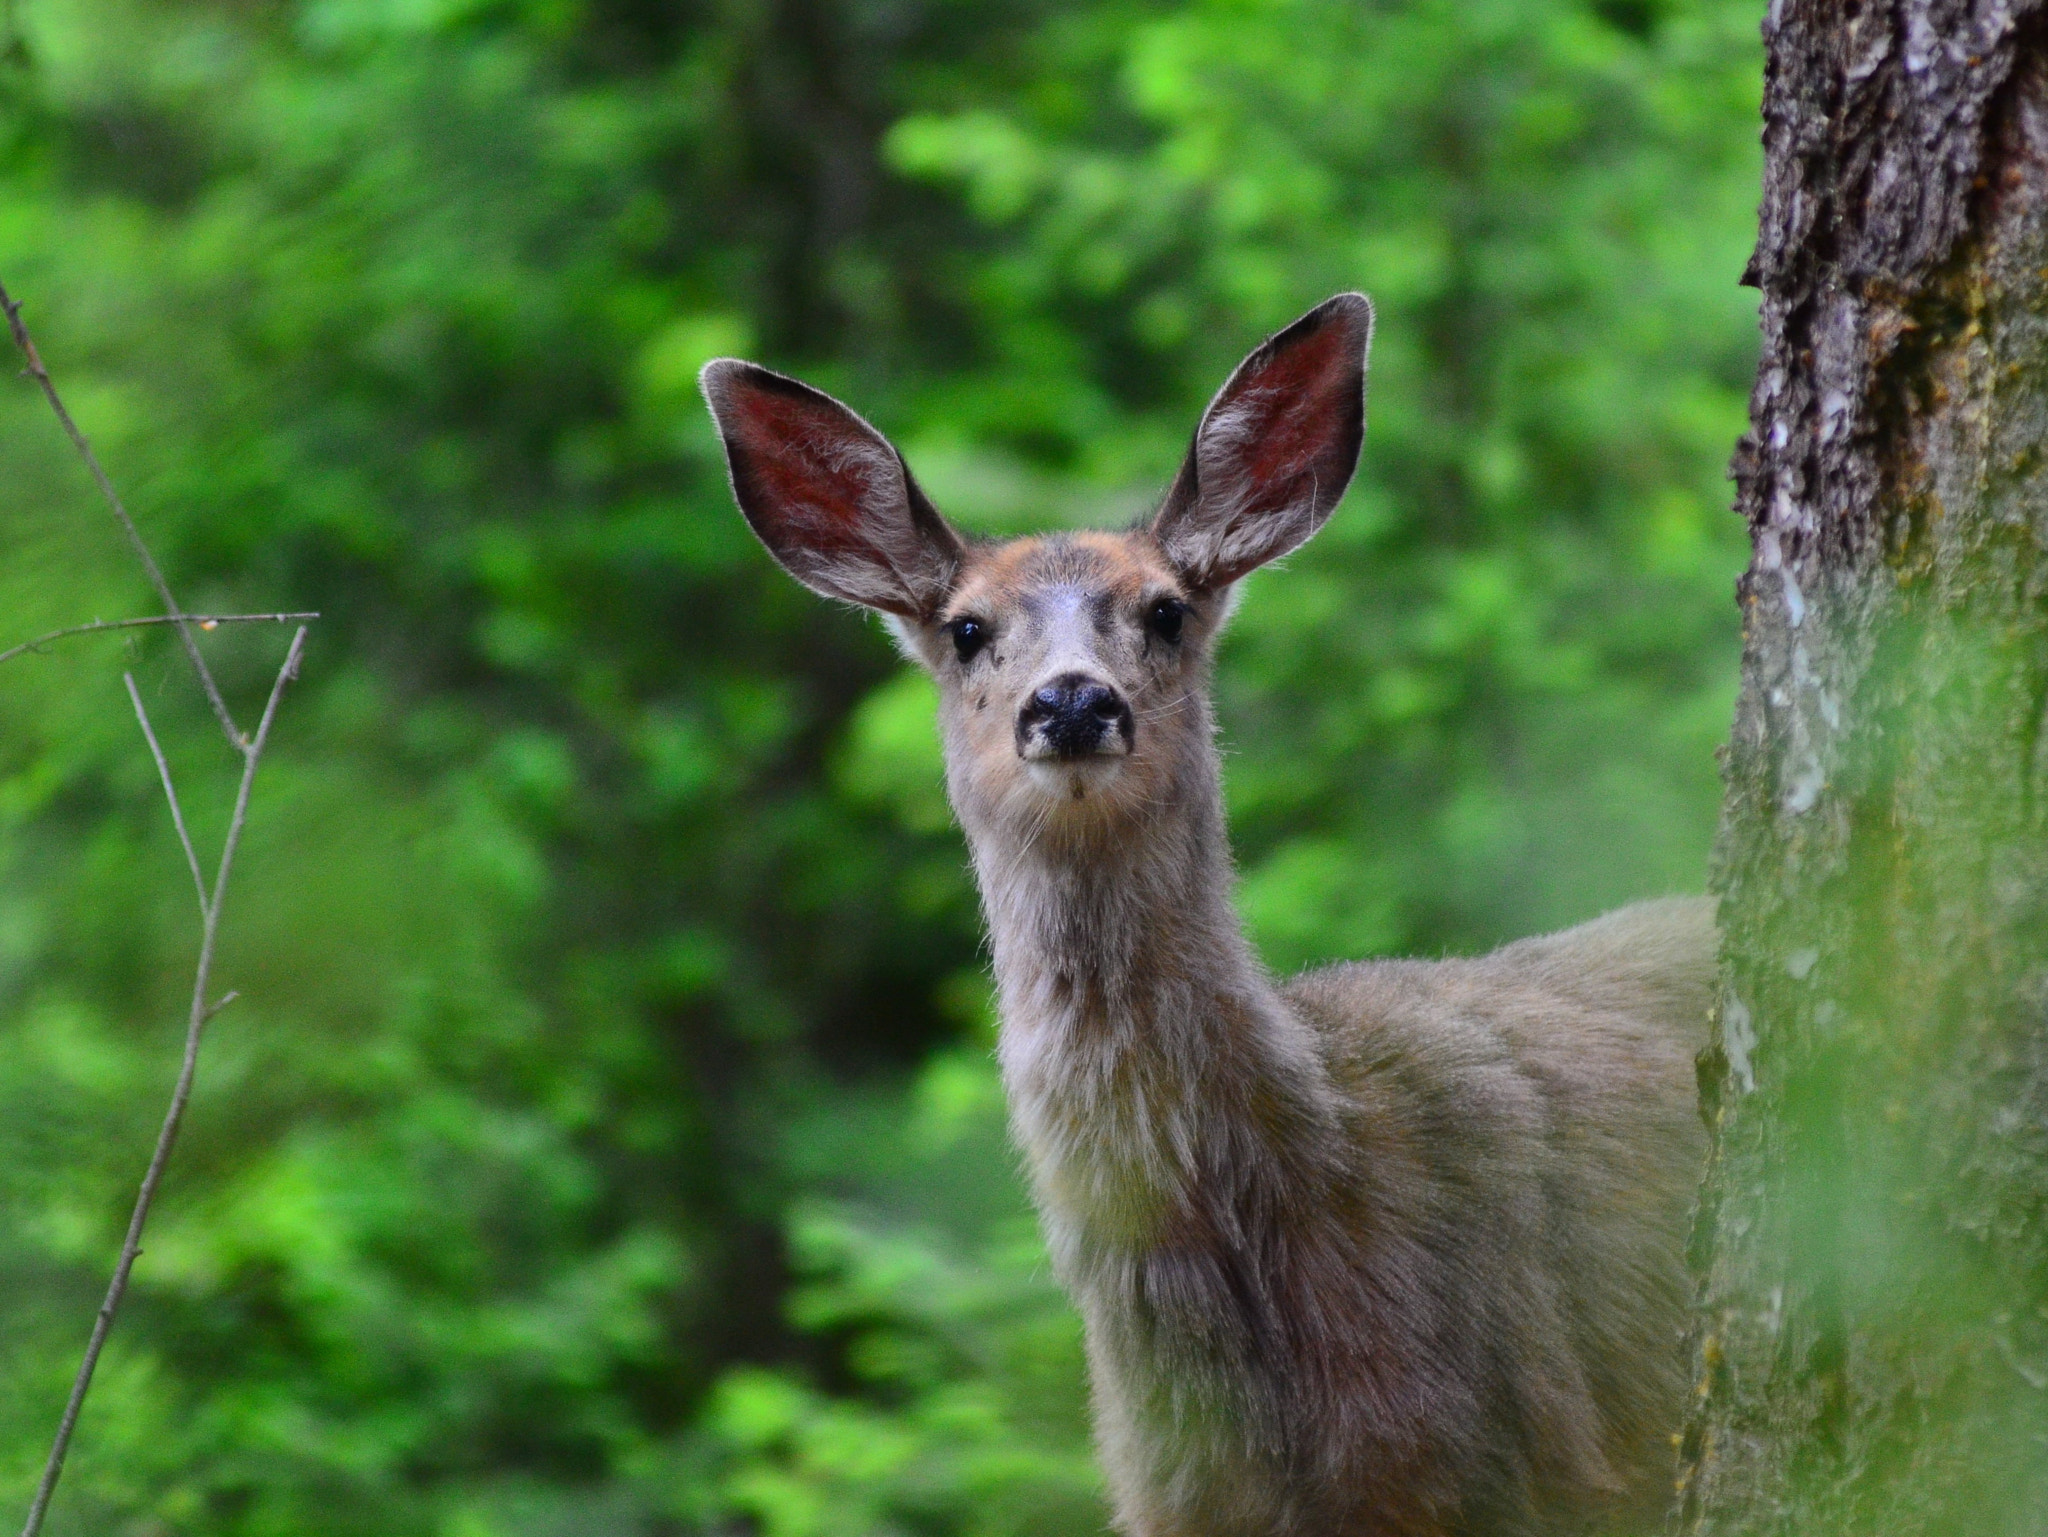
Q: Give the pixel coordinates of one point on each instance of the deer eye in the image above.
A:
(969, 636)
(1163, 618)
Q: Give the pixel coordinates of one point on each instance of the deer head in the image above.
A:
(1072, 668)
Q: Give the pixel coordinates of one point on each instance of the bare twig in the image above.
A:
(163, 769)
(210, 900)
(204, 621)
(195, 1030)
(12, 309)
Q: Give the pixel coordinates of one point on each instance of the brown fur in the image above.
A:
(1388, 1251)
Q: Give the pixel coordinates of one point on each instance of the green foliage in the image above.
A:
(607, 1141)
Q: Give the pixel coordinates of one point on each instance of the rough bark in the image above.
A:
(1871, 1249)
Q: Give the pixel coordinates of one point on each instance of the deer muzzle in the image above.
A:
(1071, 717)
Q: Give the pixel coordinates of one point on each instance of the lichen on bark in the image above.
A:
(1872, 1244)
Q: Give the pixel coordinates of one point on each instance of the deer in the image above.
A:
(1391, 1249)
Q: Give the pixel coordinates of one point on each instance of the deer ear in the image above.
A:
(1275, 450)
(830, 496)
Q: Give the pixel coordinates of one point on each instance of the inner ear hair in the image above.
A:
(904, 632)
(1223, 603)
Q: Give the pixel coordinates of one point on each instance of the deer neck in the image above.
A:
(1148, 1060)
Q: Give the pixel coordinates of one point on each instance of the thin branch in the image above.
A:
(195, 1029)
(163, 769)
(204, 621)
(250, 754)
(172, 611)
(210, 902)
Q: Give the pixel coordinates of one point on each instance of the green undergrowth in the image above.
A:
(606, 1140)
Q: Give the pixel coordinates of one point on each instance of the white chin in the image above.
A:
(1064, 776)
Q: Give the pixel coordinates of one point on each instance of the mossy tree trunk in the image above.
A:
(1872, 1248)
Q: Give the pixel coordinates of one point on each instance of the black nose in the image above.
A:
(1073, 714)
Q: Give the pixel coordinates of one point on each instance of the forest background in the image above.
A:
(606, 1141)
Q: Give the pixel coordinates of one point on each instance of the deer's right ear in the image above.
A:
(830, 496)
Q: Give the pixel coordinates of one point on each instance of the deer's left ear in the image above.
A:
(1275, 450)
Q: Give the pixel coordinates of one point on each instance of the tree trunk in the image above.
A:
(1872, 1254)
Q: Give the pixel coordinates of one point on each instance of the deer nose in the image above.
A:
(1073, 716)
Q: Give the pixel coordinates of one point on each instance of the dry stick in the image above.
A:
(251, 750)
(12, 309)
(163, 769)
(195, 1028)
(204, 621)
